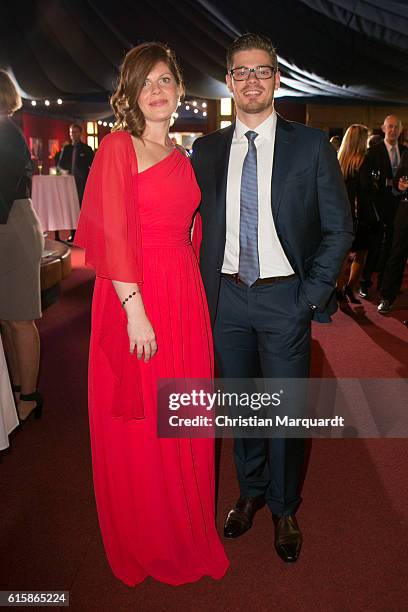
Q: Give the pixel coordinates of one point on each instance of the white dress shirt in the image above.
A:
(272, 259)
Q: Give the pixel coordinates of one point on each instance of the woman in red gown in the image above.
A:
(155, 496)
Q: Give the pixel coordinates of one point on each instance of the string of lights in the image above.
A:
(196, 107)
(105, 123)
(46, 102)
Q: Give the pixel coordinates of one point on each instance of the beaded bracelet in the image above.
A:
(129, 297)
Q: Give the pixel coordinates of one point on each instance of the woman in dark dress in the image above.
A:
(352, 158)
(21, 246)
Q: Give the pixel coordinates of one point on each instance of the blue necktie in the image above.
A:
(248, 226)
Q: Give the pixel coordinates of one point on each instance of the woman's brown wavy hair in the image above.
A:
(10, 100)
(136, 66)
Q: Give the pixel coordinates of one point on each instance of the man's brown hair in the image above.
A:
(251, 41)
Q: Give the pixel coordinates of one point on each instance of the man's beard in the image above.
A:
(254, 106)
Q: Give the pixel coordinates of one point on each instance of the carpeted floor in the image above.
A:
(354, 515)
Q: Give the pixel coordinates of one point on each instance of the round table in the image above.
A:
(8, 412)
(55, 200)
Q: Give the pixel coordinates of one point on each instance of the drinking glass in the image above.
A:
(375, 175)
(404, 179)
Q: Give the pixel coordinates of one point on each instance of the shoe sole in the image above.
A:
(289, 561)
(234, 537)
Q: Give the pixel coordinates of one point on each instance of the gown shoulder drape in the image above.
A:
(155, 496)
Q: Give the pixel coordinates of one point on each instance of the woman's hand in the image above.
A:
(403, 183)
(140, 331)
(141, 336)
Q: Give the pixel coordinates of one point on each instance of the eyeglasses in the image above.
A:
(242, 73)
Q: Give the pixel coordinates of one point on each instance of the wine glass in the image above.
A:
(404, 179)
(375, 175)
(40, 166)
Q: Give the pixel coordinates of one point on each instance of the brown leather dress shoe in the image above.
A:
(288, 537)
(239, 519)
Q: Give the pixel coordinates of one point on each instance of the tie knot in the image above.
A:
(251, 135)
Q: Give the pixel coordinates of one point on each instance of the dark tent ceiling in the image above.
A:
(347, 50)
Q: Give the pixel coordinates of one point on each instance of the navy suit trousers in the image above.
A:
(265, 331)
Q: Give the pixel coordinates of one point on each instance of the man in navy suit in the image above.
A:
(77, 158)
(276, 229)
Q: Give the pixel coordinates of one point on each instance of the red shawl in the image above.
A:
(109, 230)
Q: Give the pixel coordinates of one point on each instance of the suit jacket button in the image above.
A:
(218, 269)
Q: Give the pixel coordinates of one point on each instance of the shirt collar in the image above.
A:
(266, 129)
(389, 146)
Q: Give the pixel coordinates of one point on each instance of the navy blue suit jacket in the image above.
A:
(309, 203)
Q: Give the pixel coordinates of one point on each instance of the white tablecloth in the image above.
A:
(55, 200)
(8, 412)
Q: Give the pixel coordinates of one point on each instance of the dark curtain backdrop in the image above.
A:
(329, 50)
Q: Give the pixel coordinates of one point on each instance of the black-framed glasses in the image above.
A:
(242, 73)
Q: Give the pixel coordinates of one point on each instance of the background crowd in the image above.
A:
(375, 171)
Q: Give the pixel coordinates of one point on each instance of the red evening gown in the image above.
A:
(155, 496)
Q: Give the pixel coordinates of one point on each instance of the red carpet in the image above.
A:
(354, 515)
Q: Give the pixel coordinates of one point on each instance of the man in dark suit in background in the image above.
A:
(276, 228)
(382, 163)
(77, 158)
(395, 266)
